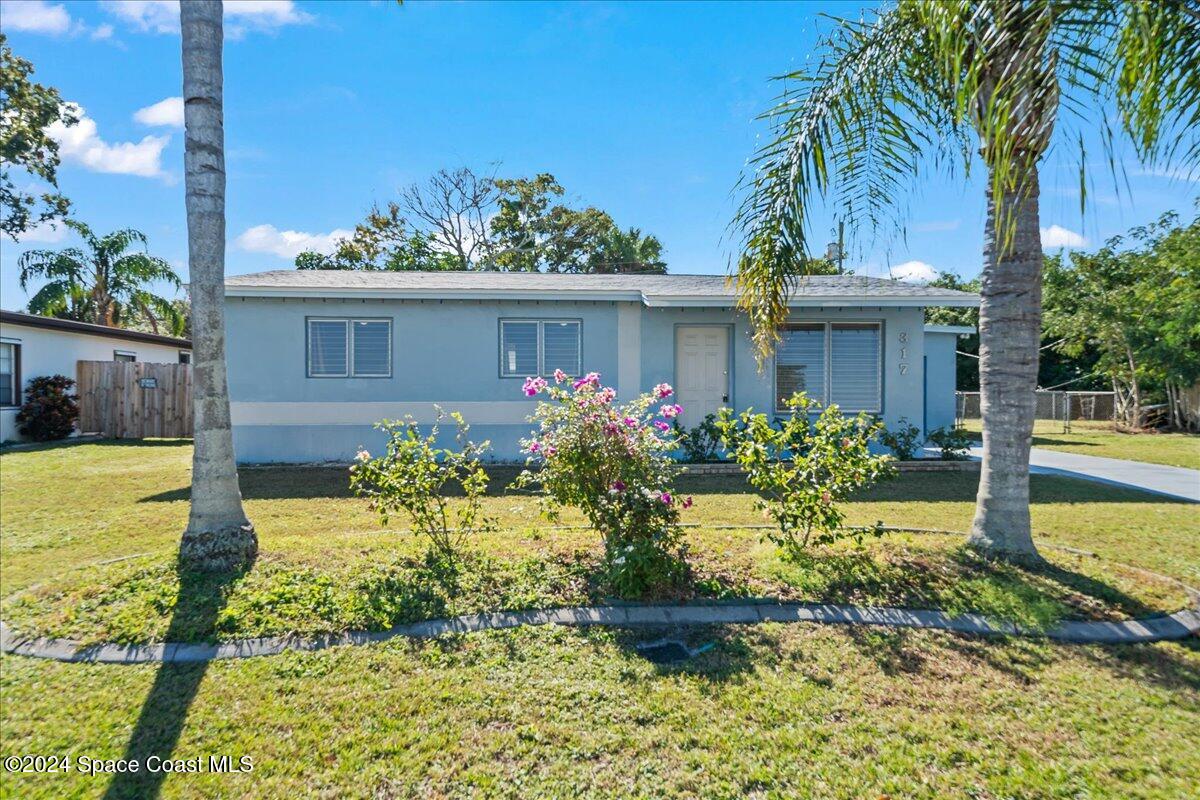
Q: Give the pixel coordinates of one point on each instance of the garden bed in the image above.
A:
(372, 587)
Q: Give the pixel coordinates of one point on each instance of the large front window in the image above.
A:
(539, 347)
(833, 363)
(349, 348)
(10, 381)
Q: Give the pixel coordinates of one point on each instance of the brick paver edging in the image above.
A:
(1179, 625)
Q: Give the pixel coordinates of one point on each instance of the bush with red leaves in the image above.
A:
(49, 411)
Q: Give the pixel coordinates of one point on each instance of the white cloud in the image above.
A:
(44, 233)
(288, 244)
(166, 113)
(162, 16)
(35, 16)
(104, 31)
(913, 272)
(1058, 236)
(81, 144)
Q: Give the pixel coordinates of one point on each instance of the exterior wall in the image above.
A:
(940, 381)
(447, 352)
(51, 352)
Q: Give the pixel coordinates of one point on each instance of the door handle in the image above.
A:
(724, 398)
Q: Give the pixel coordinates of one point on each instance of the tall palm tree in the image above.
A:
(941, 83)
(218, 535)
(102, 283)
(626, 251)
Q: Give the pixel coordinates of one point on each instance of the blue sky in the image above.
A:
(644, 110)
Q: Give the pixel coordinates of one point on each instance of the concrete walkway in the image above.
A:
(1179, 625)
(1176, 482)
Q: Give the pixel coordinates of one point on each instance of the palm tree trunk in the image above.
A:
(218, 535)
(1010, 322)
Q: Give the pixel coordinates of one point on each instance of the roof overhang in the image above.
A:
(959, 330)
(629, 296)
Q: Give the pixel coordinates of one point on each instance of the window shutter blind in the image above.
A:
(560, 343)
(327, 347)
(854, 383)
(372, 348)
(518, 348)
(800, 363)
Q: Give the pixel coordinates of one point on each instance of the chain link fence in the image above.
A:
(1062, 407)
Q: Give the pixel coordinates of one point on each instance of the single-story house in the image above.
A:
(316, 358)
(32, 346)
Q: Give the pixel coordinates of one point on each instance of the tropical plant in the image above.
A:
(626, 251)
(413, 476)
(701, 444)
(49, 411)
(103, 282)
(804, 467)
(29, 109)
(954, 443)
(946, 82)
(902, 439)
(613, 463)
(218, 535)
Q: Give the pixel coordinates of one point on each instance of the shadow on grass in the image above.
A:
(165, 709)
(730, 653)
(62, 444)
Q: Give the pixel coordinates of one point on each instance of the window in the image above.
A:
(185, 357)
(538, 347)
(10, 374)
(124, 355)
(833, 362)
(344, 348)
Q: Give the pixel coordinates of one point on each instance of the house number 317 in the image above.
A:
(903, 364)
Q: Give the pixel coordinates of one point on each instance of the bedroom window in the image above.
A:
(124, 355)
(833, 362)
(538, 347)
(10, 374)
(349, 348)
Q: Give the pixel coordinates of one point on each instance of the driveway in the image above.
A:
(1177, 482)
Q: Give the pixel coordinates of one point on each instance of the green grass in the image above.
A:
(770, 711)
(1099, 439)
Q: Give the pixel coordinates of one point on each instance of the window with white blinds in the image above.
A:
(833, 363)
(344, 348)
(539, 347)
(854, 366)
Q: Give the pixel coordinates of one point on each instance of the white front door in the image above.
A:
(701, 371)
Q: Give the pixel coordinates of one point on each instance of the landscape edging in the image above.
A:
(1178, 625)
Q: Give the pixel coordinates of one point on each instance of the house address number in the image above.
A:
(903, 364)
(148, 383)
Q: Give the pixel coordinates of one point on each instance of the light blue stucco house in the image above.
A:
(317, 357)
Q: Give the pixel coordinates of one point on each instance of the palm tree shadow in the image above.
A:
(156, 733)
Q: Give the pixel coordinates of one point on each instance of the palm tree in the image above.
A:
(218, 535)
(939, 83)
(626, 251)
(103, 282)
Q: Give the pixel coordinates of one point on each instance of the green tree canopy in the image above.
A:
(102, 282)
(26, 109)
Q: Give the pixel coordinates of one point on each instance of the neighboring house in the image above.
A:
(32, 346)
(317, 357)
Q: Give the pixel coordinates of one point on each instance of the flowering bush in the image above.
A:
(49, 411)
(805, 467)
(613, 463)
(413, 477)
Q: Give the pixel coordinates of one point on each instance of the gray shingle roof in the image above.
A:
(652, 289)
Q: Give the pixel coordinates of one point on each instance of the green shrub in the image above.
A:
(804, 468)
(701, 444)
(613, 463)
(413, 477)
(954, 442)
(49, 411)
(903, 440)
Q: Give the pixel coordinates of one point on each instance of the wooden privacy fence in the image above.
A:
(135, 400)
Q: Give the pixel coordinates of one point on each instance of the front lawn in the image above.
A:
(1099, 439)
(769, 711)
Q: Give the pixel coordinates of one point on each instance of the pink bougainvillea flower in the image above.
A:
(663, 390)
(618, 486)
(534, 386)
(535, 446)
(606, 395)
(687, 502)
(630, 422)
(671, 411)
(666, 498)
(559, 376)
(611, 429)
(591, 379)
(662, 426)
(551, 449)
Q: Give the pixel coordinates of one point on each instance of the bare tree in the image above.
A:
(218, 535)
(454, 209)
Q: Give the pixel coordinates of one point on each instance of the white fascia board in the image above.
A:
(823, 301)
(428, 294)
(961, 330)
